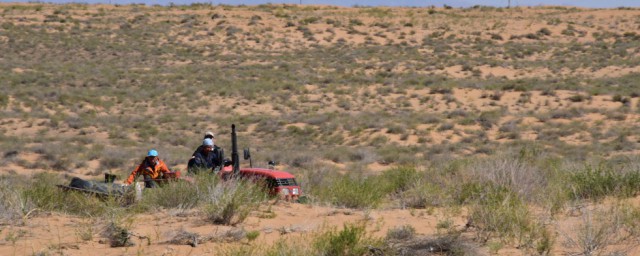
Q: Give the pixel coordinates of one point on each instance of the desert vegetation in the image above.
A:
(490, 130)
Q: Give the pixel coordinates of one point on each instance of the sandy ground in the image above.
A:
(55, 233)
(59, 233)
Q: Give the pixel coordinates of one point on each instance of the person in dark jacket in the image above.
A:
(205, 158)
(207, 135)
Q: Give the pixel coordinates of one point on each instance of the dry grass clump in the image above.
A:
(603, 231)
(514, 174)
(230, 203)
(447, 244)
(13, 206)
(404, 232)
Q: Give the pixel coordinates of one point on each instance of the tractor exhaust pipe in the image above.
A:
(234, 151)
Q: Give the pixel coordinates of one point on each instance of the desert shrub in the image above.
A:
(423, 193)
(351, 240)
(397, 154)
(488, 119)
(342, 154)
(396, 128)
(509, 130)
(295, 158)
(57, 155)
(601, 232)
(43, 194)
(13, 203)
(378, 140)
(355, 22)
(115, 159)
(504, 171)
(309, 20)
(616, 116)
(445, 127)
(316, 177)
(354, 191)
(4, 100)
(118, 236)
(502, 213)
(621, 99)
(577, 98)
(629, 217)
(440, 244)
(286, 246)
(495, 36)
(399, 179)
(181, 195)
(440, 90)
(596, 182)
(544, 32)
(230, 202)
(566, 113)
(622, 142)
(404, 232)
(467, 192)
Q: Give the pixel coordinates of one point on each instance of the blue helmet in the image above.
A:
(152, 152)
(207, 142)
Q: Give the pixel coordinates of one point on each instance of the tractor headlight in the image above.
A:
(295, 191)
(285, 191)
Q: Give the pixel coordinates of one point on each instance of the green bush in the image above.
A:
(352, 191)
(13, 203)
(506, 171)
(230, 202)
(500, 212)
(287, 246)
(404, 232)
(424, 193)
(399, 179)
(597, 182)
(468, 192)
(181, 195)
(351, 240)
(4, 100)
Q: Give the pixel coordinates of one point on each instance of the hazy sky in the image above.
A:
(455, 3)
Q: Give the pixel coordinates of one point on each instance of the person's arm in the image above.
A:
(133, 174)
(218, 160)
(163, 167)
(197, 150)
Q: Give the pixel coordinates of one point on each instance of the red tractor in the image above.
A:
(279, 183)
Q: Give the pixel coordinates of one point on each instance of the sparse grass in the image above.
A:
(352, 239)
(359, 97)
